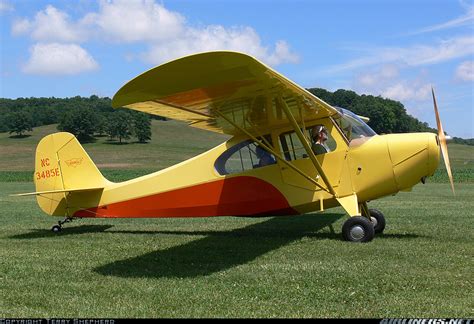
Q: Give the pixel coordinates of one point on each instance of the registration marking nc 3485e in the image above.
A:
(48, 173)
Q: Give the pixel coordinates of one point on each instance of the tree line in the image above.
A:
(94, 116)
(86, 118)
(386, 115)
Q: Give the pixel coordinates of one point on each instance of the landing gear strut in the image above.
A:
(363, 228)
(58, 228)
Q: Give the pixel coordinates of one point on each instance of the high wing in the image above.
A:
(224, 92)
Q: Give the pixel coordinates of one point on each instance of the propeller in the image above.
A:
(442, 141)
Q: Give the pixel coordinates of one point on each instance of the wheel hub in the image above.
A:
(374, 221)
(357, 232)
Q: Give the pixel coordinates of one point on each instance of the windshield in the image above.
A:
(351, 125)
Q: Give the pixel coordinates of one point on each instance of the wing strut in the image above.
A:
(269, 149)
(306, 145)
(182, 108)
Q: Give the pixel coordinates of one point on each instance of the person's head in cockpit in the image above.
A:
(319, 135)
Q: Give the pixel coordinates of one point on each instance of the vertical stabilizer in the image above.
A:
(62, 164)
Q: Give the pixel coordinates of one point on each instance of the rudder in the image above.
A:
(61, 163)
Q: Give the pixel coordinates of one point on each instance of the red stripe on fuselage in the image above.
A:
(239, 196)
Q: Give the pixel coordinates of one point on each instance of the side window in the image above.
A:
(319, 138)
(244, 156)
(291, 147)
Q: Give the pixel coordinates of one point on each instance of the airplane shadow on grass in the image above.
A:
(221, 250)
(74, 230)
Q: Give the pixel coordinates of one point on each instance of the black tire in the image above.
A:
(379, 221)
(56, 229)
(358, 229)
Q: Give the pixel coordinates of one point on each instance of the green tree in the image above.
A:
(101, 127)
(19, 122)
(120, 125)
(46, 115)
(142, 127)
(382, 119)
(345, 98)
(80, 122)
(3, 123)
(386, 115)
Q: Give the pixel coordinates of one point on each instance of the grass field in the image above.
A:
(171, 142)
(231, 267)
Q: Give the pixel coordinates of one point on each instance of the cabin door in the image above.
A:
(294, 152)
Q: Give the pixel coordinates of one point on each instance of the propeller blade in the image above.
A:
(442, 141)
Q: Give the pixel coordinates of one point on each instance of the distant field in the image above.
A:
(283, 267)
(172, 142)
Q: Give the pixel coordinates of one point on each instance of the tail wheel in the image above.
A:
(378, 220)
(358, 229)
(56, 229)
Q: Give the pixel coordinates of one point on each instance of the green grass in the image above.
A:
(459, 176)
(228, 266)
(171, 142)
(241, 267)
(116, 175)
(461, 156)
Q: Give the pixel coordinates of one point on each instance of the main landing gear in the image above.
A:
(378, 220)
(363, 228)
(58, 228)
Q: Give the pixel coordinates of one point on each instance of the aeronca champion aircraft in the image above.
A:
(290, 152)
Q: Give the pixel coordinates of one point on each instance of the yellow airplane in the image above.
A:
(290, 152)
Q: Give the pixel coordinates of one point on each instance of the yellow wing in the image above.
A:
(200, 89)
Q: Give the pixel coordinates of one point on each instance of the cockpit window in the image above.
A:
(351, 125)
(244, 156)
(293, 149)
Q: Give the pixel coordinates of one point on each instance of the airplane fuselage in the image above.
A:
(371, 167)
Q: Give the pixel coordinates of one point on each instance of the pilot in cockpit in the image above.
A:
(319, 136)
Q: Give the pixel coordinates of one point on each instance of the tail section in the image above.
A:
(65, 177)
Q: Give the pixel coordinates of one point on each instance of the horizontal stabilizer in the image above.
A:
(56, 191)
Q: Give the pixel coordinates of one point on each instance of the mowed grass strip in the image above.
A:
(118, 175)
(241, 267)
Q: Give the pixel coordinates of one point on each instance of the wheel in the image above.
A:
(378, 220)
(56, 229)
(358, 229)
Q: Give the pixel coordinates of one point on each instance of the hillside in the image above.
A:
(171, 142)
